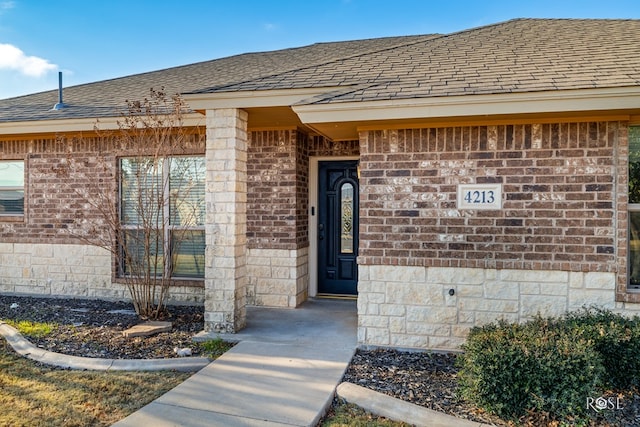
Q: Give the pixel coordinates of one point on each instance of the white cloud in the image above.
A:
(270, 27)
(6, 5)
(12, 58)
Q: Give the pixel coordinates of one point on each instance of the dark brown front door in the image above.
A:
(338, 227)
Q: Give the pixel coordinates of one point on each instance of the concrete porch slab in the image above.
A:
(283, 372)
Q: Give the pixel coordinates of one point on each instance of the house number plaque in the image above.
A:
(479, 196)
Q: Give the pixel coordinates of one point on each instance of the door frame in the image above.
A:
(313, 219)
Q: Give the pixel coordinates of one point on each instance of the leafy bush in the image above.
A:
(509, 369)
(617, 340)
(550, 364)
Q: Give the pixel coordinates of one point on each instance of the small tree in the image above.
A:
(147, 206)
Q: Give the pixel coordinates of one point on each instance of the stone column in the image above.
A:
(226, 221)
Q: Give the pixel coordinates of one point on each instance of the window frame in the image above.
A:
(631, 208)
(19, 216)
(170, 229)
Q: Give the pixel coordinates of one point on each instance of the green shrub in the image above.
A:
(550, 364)
(615, 337)
(509, 369)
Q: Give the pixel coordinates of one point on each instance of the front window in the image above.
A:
(11, 187)
(162, 212)
(634, 207)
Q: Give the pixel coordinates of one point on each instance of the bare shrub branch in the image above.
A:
(142, 197)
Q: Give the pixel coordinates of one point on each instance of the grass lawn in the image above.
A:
(36, 394)
(347, 415)
(33, 394)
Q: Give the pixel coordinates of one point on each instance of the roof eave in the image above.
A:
(60, 126)
(252, 99)
(578, 100)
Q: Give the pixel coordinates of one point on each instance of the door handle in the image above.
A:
(320, 231)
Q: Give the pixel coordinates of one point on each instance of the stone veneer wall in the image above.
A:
(278, 277)
(558, 242)
(70, 270)
(407, 306)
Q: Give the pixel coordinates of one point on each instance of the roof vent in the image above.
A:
(59, 105)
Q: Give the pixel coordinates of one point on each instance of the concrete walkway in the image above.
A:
(283, 372)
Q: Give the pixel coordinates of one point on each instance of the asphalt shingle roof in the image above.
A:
(108, 98)
(522, 55)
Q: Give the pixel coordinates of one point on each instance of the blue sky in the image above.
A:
(91, 40)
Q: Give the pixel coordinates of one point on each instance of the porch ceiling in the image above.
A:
(272, 117)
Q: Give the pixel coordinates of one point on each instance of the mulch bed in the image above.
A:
(430, 380)
(93, 328)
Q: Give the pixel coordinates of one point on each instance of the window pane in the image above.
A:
(12, 173)
(143, 253)
(634, 249)
(12, 187)
(346, 215)
(634, 165)
(11, 202)
(141, 192)
(187, 248)
(186, 189)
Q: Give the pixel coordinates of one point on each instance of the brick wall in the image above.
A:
(278, 170)
(559, 202)
(63, 177)
(277, 213)
(278, 185)
(302, 189)
(42, 253)
(52, 198)
(322, 147)
(272, 194)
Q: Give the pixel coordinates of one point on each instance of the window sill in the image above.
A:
(11, 218)
(189, 283)
(628, 295)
